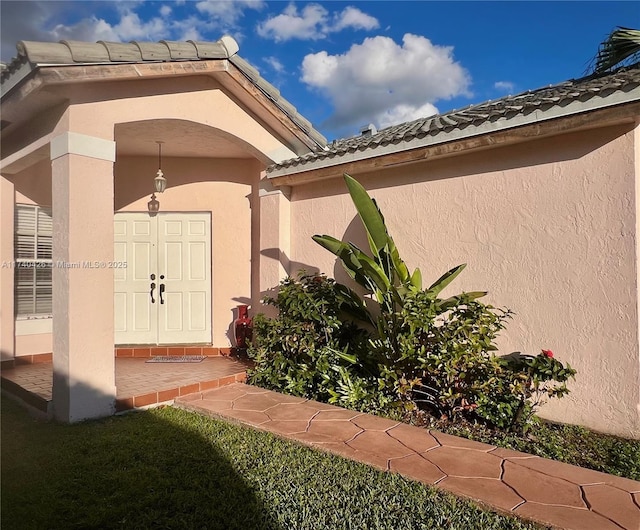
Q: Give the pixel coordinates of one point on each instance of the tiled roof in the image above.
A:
(505, 109)
(69, 52)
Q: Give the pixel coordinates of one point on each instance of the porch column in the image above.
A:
(7, 318)
(83, 355)
(275, 236)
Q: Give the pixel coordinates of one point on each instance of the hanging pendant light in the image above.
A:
(160, 182)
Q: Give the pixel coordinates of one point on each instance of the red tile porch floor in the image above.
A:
(520, 484)
(138, 383)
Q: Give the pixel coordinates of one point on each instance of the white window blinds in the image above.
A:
(33, 253)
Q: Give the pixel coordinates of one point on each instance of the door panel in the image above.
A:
(176, 248)
(185, 260)
(120, 312)
(135, 244)
(198, 305)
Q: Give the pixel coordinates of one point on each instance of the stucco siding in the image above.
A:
(547, 227)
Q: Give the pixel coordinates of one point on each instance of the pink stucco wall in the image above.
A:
(547, 227)
(6, 271)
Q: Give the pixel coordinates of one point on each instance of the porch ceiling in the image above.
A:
(181, 139)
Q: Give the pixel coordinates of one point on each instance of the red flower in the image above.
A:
(547, 353)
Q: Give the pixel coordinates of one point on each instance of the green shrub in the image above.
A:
(450, 365)
(309, 348)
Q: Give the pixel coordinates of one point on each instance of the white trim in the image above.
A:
(34, 326)
(282, 190)
(71, 143)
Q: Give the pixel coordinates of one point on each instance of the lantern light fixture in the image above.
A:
(160, 182)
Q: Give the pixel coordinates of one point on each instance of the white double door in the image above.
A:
(162, 271)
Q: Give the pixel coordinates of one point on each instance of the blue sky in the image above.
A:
(347, 64)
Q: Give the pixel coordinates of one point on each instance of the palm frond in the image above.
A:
(622, 45)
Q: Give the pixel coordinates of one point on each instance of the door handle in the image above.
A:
(153, 286)
(161, 289)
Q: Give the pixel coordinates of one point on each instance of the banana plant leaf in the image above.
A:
(416, 279)
(361, 267)
(353, 304)
(380, 241)
(444, 280)
(343, 251)
(444, 305)
(369, 215)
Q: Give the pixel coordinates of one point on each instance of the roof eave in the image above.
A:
(37, 76)
(287, 175)
(22, 72)
(311, 137)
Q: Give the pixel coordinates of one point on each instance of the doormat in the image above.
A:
(177, 359)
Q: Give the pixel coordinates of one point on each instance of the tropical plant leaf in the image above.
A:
(369, 214)
(344, 251)
(444, 305)
(375, 272)
(621, 44)
(444, 280)
(416, 279)
(361, 267)
(347, 357)
(353, 304)
(399, 266)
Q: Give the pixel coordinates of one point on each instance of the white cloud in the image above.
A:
(382, 81)
(275, 64)
(294, 25)
(352, 17)
(190, 28)
(23, 21)
(313, 22)
(228, 11)
(130, 27)
(165, 11)
(505, 86)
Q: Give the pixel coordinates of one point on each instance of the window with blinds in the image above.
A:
(33, 260)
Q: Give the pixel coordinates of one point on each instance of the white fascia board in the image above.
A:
(19, 75)
(487, 127)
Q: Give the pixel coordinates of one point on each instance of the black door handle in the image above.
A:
(161, 291)
(153, 286)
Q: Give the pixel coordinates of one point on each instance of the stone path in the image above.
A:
(550, 492)
(138, 383)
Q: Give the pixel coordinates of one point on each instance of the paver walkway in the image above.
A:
(528, 486)
(138, 383)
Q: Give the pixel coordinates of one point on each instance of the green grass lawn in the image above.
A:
(169, 468)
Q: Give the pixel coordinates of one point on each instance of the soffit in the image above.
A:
(180, 139)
